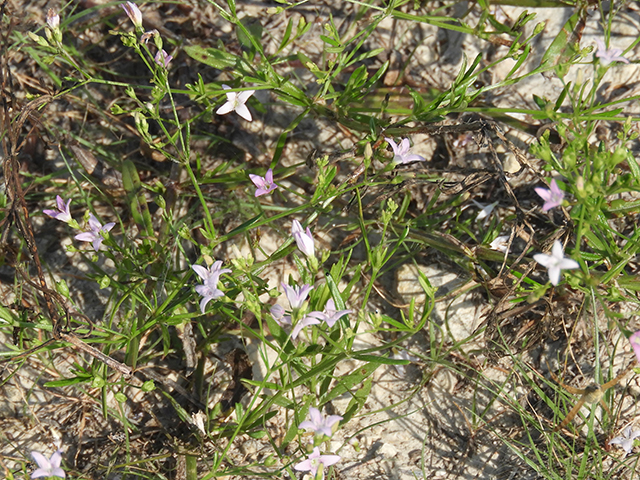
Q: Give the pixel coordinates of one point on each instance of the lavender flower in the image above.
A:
(303, 239)
(210, 277)
(552, 197)
(626, 440)
(134, 14)
(608, 56)
(555, 262)
(62, 213)
(309, 319)
(315, 462)
(401, 153)
(53, 19)
(96, 232)
(163, 59)
(330, 316)
(296, 295)
(48, 467)
(264, 184)
(319, 424)
(277, 312)
(236, 102)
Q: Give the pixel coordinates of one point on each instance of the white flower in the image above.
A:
(320, 424)
(555, 262)
(236, 102)
(303, 239)
(209, 288)
(610, 55)
(485, 210)
(500, 244)
(314, 462)
(48, 467)
(626, 440)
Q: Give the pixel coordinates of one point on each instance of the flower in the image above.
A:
(319, 424)
(555, 262)
(401, 153)
(303, 239)
(236, 102)
(313, 462)
(146, 36)
(210, 277)
(264, 184)
(330, 316)
(53, 19)
(134, 13)
(501, 243)
(97, 232)
(485, 210)
(635, 343)
(608, 56)
(309, 319)
(626, 439)
(552, 197)
(296, 295)
(163, 59)
(48, 467)
(277, 312)
(62, 213)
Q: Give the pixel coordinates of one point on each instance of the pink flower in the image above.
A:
(134, 13)
(96, 232)
(319, 424)
(315, 461)
(552, 197)
(48, 467)
(163, 59)
(608, 56)
(62, 213)
(330, 315)
(236, 103)
(635, 343)
(303, 239)
(401, 153)
(277, 312)
(264, 184)
(296, 295)
(555, 262)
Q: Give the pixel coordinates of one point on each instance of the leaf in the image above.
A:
(212, 56)
(566, 45)
(136, 199)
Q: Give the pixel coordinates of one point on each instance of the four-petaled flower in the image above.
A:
(330, 315)
(236, 102)
(264, 184)
(635, 343)
(296, 295)
(555, 262)
(401, 153)
(314, 461)
(163, 59)
(209, 288)
(48, 467)
(62, 213)
(626, 440)
(134, 13)
(303, 239)
(552, 197)
(608, 56)
(96, 232)
(320, 424)
(501, 243)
